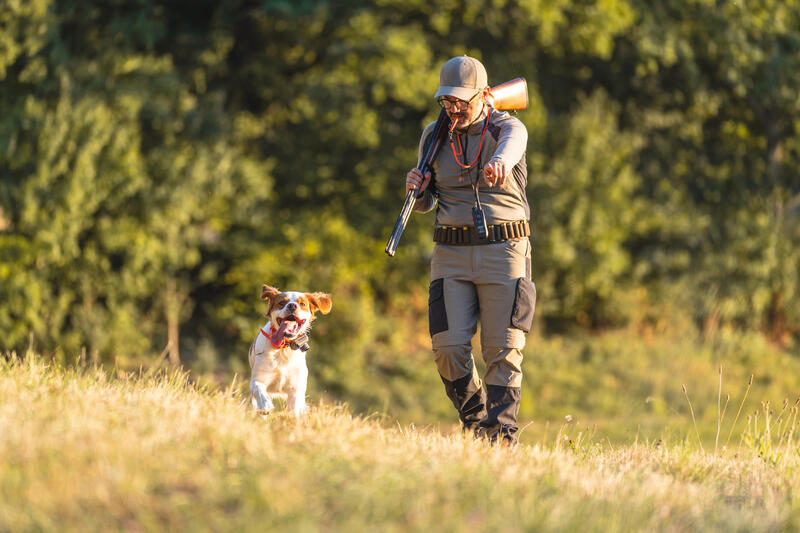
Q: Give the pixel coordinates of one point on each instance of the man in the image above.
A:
(480, 167)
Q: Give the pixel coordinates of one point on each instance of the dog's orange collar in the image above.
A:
(300, 343)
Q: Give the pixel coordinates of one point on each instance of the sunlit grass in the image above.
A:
(87, 449)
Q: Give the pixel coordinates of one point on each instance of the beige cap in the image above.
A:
(462, 77)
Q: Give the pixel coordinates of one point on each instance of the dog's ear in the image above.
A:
(268, 292)
(320, 301)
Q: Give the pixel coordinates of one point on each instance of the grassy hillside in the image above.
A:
(620, 384)
(91, 450)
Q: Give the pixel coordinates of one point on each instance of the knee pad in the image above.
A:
(454, 362)
(503, 366)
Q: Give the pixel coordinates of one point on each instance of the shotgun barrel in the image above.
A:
(425, 165)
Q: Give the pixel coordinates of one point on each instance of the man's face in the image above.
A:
(465, 112)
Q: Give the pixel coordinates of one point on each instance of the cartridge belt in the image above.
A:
(468, 236)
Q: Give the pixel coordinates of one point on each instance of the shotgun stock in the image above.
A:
(506, 96)
(509, 95)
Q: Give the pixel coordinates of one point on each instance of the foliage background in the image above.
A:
(160, 160)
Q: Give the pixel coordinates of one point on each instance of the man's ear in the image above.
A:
(268, 292)
(320, 301)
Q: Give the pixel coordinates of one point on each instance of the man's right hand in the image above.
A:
(415, 180)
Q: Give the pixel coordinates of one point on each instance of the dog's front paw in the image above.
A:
(265, 407)
(260, 400)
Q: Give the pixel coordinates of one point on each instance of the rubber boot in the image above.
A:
(502, 406)
(469, 399)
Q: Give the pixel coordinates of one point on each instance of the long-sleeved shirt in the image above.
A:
(505, 140)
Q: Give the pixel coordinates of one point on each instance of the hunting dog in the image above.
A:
(278, 355)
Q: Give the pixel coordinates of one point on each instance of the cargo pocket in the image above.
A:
(437, 314)
(524, 305)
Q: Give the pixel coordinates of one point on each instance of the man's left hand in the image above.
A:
(494, 173)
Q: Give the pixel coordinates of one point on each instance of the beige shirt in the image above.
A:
(505, 140)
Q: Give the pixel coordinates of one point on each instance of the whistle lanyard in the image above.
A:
(461, 150)
(478, 217)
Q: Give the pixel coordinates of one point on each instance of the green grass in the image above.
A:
(85, 449)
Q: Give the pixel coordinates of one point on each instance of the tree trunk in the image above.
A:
(173, 309)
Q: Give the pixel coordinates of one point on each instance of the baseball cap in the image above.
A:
(462, 77)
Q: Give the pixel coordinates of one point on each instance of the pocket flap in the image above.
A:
(524, 305)
(437, 313)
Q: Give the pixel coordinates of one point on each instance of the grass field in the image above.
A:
(86, 449)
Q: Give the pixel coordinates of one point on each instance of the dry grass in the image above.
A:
(89, 450)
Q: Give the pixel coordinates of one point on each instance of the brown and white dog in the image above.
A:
(278, 355)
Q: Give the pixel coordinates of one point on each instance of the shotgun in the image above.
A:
(506, 96)
(425, 165)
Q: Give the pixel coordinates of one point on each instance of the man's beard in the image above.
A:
(459, 120)
(463, 119)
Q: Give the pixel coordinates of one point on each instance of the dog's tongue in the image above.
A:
(287, 327)
(277, 337)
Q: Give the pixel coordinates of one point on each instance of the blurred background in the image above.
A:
(160, 160)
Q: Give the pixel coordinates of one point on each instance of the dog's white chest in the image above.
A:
(280, 369)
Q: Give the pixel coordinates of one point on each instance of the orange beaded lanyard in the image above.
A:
(458, 138)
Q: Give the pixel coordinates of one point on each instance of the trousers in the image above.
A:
(490, 284)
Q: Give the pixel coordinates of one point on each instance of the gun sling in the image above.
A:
(468, 235)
